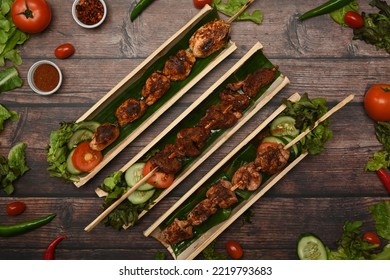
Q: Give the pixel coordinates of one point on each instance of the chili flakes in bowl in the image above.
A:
(89, 13)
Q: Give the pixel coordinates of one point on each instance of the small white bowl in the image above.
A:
(76, 19)
(30, 77)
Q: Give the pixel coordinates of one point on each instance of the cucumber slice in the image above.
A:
(310, 247)
(296, 149)
(79, 136)
(69, 165)
(139, 197)
(274, 139)
(134, 174)
(284, 125)
(90, 125)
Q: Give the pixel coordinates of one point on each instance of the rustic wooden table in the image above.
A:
(318, 195)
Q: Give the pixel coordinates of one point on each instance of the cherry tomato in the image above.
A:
(353, 19)
(201, 3)
(377, 102)
(15, 208)
(234, 249)
(64, 51)
(31, 16)
(84, 158)
(159, 179)
(372, 238)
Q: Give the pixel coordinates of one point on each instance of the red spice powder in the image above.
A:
(89, 11)
(46, 77)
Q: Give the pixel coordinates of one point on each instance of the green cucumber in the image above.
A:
(134, 174)
(139, 197)
(90, 125)
(311, 247)
(274, 139)
(284, 125)
(69, 165)
(79, 136)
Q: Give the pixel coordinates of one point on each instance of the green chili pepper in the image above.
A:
(328, 7)
(11, 230)
(138, 9)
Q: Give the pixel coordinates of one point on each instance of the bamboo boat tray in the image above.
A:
(102, 112)
(201, 104)
(217, 172)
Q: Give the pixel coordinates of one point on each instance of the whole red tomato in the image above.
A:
(31, 16)
(377, 102)
(63, 51)
(201, 3)
(15, 208)
(234, 249)
(353, 19)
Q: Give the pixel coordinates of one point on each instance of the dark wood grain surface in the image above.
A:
(318, 56)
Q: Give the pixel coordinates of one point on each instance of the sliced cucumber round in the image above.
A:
(69, 165)
(284, 125)
(311, 247)
(79, 136)
(275, 139)
(134, 174)
(139, 197)
(90, 125)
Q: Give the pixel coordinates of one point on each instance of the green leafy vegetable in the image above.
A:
(338, 15)
(231, 7)
(376, 29)
(382, 131)
(381, 159)
(10, 35)
(13, 167)
(10, 79)
(381, 215)
(5, 114)
(160, 256)
(306, 112)
(209, 253)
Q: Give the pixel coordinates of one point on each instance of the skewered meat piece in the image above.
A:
(216, 118)
(221, 194)
(236, 101)
(254, 81)
(209, 38)
(155, 87)
(247, 177)
(177, 231)
(179, 66)
(191, 140)
(164, 162)
(130, 110)
(104, 135)
(201, 212)
(272, 158)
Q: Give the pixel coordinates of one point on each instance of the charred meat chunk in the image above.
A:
(177, 231)
(271, 157)
(155, 87)
(217, 118)
(209, 38)
(201, 212)
(221, 194)
(235, 101)
(191, 140)
(104, 135)
(165, 162)
(130, 110)
(179, 66)
(247, 177)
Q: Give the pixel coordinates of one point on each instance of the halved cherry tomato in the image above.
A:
(377, 102)
(353, 19)
(84, 158)
(159, 179)
(265, 145)
(201, 3)
(372, 238)
(64, 51)
(32, 16)
(234, 249)
(15, 208)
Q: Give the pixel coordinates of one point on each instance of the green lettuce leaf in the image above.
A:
(5, 114)
(231, 7)
(10, 79)
(381, 215)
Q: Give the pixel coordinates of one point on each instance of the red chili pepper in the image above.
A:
(385, 178)
(49, 253)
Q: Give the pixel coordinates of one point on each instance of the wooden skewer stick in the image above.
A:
(243, 8)
(236, 186)
(324, 117)
(116, 203)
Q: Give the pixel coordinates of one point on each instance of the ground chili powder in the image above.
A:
(89, 11)
(46, 77)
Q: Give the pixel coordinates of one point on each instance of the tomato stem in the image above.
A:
(27, 13)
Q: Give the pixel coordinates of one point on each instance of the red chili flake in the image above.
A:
(89, 11)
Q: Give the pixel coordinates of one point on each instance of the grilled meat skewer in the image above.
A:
(104, 135)
(271, 158)
(155, 87)
(130, 110)
(248, 177)
(177, 231)
(179, 66)
(191, 140)
(221, 194)
(163, 161)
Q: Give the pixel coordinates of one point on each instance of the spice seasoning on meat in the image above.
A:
(46, 77)
(89, 11)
